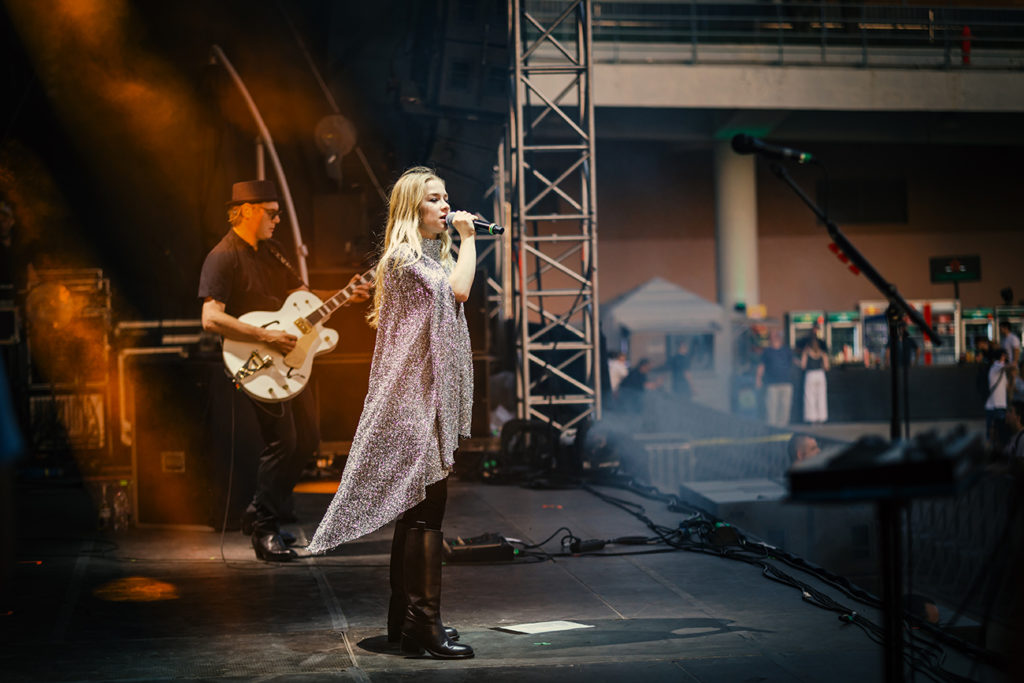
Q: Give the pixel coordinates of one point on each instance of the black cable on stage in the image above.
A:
(227, 505)
(926, 657)
(231, 474)
(537, 545)
(808, 593)
(844, 586)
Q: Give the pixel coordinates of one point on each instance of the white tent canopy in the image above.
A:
(659, 306)
(658, 309)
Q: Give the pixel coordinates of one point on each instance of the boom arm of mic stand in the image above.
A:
(889, 510)
(887, 289)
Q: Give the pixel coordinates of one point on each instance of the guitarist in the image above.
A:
(245, 272)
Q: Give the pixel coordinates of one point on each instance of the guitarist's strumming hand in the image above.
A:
(280, 340)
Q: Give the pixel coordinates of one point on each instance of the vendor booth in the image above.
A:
(651, 320)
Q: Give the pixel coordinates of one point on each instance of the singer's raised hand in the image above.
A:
(462, 221)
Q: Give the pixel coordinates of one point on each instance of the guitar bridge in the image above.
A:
(254, 364)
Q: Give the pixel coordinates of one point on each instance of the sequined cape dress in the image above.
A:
(417, 406)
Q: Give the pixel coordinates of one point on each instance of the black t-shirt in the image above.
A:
(815, 363)
(246, 279)
(634, 380)
(778, 365)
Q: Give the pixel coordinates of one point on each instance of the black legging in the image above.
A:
(429, 512)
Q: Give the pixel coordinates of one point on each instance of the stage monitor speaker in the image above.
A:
(169, 398)
(840, 538)
(187, 420)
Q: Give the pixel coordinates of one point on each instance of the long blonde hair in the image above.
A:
(403, 228)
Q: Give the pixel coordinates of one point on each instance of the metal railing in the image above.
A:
(963, 549)
(810, 32)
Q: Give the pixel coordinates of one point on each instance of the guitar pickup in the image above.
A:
(303, 325)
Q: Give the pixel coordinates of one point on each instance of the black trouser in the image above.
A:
(291, 437)
(429, 512)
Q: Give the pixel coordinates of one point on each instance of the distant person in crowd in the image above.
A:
(679, 366)
(814, 361)
(982, 349)
(995, 403)
(1010, 342)
(924, 608)
(802, 447)
(1014, 382)
(983, 358)
(775, 374)
(813, 335)
(618, 368)
(632, 388)
(1014, 449)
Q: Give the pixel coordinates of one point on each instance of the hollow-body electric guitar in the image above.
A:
(261, 370)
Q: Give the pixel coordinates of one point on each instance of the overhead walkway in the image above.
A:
(808, 56)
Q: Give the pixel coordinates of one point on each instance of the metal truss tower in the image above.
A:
(553, 206)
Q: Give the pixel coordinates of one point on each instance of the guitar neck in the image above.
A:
(338, 300)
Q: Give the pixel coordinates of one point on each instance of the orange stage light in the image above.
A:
(136, 589)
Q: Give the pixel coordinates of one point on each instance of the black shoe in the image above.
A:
(249, 526)
(270, 548)
(422, 629)
(395, 633)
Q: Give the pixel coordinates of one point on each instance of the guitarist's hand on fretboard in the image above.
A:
(361, 292)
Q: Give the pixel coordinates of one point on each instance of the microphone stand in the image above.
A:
(889, 507)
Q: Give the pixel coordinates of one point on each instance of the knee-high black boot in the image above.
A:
(399, 600)
(422, 629)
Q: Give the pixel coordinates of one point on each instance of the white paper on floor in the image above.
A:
(544, 627)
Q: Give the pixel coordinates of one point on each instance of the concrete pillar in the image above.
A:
(735, 227)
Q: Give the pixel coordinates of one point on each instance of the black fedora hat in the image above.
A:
(253, 192)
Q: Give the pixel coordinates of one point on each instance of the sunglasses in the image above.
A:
(271, 213)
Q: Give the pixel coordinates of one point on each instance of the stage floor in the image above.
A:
(162, 604)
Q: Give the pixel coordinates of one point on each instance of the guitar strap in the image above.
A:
(284, 261)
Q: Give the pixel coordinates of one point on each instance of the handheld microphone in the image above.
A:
(745, 144)
(482, 227)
